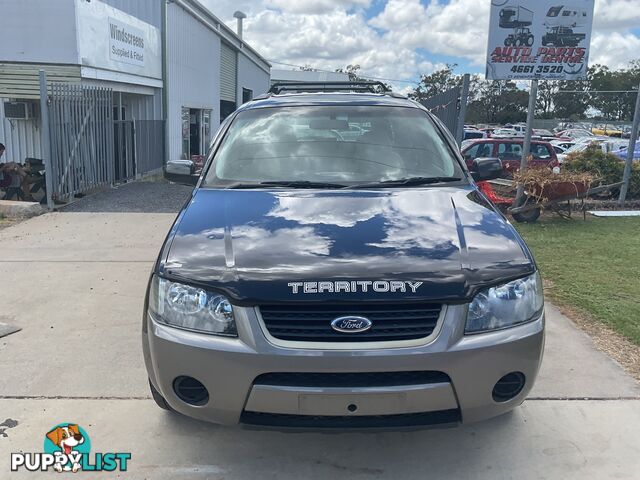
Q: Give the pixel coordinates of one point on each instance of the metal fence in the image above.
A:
(552, 123)
(445, 106)
(149, 145)
(139, 147)
(82, 139)
(125, 159)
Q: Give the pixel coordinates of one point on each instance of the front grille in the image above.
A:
(312, 323)
(351, 379)
(366, 421)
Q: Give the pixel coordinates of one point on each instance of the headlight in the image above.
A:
(506, 305)
(192, 308)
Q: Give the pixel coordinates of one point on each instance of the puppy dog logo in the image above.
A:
(67, 442)
(67, 448)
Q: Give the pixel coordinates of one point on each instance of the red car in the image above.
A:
(509, 150)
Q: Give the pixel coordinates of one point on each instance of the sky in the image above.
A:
(398, 40)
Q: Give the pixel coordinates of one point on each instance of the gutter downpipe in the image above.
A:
(165, 82)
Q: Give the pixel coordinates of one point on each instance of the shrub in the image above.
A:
(605, 167)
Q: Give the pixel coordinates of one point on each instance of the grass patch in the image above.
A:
(591, 266)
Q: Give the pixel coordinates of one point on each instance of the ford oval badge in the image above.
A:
(351, 324)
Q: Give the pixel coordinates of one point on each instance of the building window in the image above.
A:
(247, 95)
(226, 109)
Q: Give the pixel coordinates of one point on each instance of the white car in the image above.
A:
(519, 127)
(543, 133)
(564, 144)
(506, 133)
(606, 144)
(576, 133)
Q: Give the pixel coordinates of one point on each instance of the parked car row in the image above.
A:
(543, 153)
(603, 129)
(622, 151)
(509, 151)
(548, 148)
(606, 144)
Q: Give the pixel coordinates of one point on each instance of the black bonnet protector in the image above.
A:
(393, 245)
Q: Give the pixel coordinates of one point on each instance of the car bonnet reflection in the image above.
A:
(254, 242)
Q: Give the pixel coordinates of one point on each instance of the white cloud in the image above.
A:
(458, 28)
(330, 34)
(330, 41)
(616, 15)
(614, 49)
(315, 6)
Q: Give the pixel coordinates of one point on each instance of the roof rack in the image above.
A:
(313, 87)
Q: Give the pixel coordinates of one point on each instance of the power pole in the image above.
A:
(462, 113)
(626, 178)
(45, 139)
(526, 147)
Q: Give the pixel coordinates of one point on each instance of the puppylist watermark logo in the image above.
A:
(67, 448)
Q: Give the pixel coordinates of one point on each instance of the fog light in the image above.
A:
(508, 386)
(190, 391)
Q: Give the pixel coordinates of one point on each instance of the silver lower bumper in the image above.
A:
(229, 367)
(330, 401)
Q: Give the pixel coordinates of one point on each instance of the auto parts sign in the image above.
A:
(542, 39)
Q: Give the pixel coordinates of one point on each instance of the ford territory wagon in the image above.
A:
(336, 266)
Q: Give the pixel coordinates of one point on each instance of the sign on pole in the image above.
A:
(541, 39)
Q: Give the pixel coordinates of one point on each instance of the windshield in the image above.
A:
(343, 145)
(554, 11)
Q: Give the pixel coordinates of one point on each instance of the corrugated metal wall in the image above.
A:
(141, 107)
(39, 31)
(252, 77)
(22, 80)
(21, 137)
(193, 72)
(146, 111)
(149, 11)
(228, 72)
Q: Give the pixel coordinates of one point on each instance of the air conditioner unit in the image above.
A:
(19, 110)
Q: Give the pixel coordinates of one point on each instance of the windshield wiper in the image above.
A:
(407, 182)
(287, 183)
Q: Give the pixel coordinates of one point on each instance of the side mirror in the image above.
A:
(181, 171)
(486, 169)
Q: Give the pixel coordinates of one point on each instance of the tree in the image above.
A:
(547, 90)
(503, 102)
(611, 90)
(569, 102)
(436, 82)
(352, 71)
(499, 101)
(354, 75)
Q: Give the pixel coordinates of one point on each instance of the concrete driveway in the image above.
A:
(74, 283)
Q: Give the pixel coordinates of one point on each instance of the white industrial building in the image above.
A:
(171, 68)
